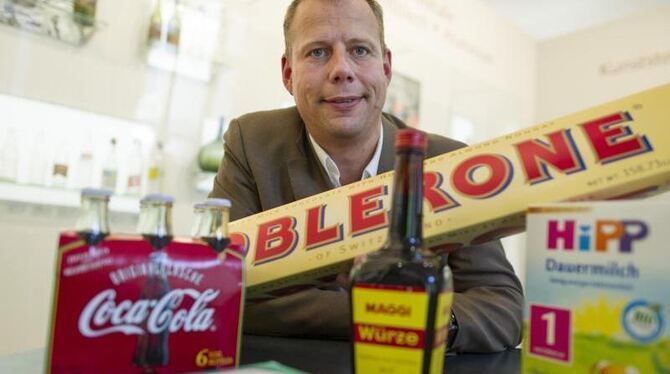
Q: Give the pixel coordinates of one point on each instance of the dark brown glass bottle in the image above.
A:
(401, 294)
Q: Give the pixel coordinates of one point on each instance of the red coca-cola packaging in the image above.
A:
(123, 306)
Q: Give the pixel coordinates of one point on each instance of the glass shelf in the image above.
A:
(61, 197)
(51, 18)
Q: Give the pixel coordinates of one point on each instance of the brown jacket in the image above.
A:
(269, 162)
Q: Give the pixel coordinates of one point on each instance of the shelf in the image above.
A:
(51, 18)
(61, 197)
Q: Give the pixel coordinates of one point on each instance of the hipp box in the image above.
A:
(597, 288)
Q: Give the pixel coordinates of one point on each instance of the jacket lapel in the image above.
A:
(387, 159)
(306, 175)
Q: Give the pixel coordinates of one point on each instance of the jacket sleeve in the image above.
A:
(488, 299)
(235, 180)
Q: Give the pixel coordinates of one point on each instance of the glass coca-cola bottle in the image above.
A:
(93, 221)
(211, 223)
(401, 294)
(155, 225)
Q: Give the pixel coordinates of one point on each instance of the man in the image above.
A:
(337, 68)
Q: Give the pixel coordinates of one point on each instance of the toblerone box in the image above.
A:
(596, 288)
(472, 195)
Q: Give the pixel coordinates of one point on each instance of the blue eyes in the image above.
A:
(360, 51)
(320, 53)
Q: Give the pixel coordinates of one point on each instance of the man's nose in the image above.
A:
(340, 68)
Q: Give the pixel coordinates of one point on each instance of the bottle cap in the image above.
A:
(411, 138)
(157, 199)
(100, 193)
(219, 203)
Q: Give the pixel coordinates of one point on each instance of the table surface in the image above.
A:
(328, 356)
(313, 356)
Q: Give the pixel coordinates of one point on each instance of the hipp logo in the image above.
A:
(620, 234)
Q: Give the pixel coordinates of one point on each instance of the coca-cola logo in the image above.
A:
(103, 315)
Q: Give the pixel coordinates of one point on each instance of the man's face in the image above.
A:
(337, 71)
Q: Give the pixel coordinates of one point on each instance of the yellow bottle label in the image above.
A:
(441, 331)
(153, 173)
(390, 329)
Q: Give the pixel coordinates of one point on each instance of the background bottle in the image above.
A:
(110, 166)
(174, 28)
(84, 166)
(155, 25)
(211, 223)
(135, 166)
(210, 155)
(38, 160)
(404, 270)
(155, 226)
(84, 11)
(154, 179)
(61, 165)
(93, 221)
(9, 157)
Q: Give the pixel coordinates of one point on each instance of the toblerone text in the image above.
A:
(471, 195)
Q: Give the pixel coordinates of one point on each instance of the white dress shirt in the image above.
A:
(331, 168)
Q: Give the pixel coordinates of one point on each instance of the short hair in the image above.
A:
(293, 7)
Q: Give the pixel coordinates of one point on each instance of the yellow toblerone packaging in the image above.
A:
(472, 195)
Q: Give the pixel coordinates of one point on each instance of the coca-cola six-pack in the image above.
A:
(148, 302)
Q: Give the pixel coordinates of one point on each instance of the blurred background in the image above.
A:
(134, 95)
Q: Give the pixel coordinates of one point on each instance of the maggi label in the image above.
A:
(390, 329)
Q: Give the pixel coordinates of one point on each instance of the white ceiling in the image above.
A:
(544, 19)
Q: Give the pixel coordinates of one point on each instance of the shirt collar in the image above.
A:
(331, 168)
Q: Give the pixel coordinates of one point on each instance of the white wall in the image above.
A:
(603, 63)
(468, 61)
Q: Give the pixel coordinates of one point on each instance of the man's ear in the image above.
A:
(287, 74)
(388, 71)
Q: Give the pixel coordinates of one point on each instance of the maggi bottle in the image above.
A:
(211, 223)
(93, 221)
(401, 295)
(155, 225)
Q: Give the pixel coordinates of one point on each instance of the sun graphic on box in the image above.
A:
(600, 317)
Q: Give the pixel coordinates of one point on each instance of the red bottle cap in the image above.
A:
(411, 138)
